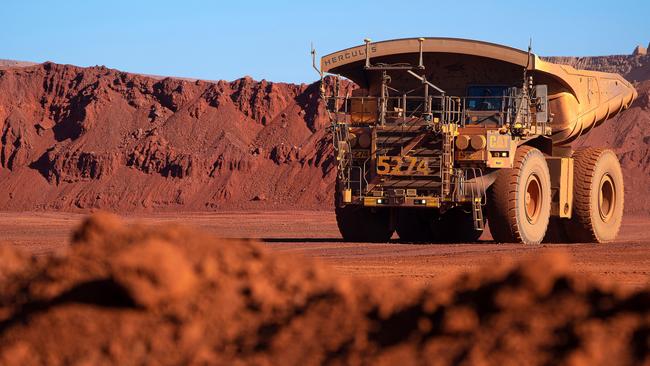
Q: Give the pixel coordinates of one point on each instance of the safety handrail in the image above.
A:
(447, 109)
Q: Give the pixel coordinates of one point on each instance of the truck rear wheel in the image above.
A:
(417, 225)
(597, 196)
(519, 201)
(364, 224)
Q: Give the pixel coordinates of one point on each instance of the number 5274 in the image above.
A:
(402, 165)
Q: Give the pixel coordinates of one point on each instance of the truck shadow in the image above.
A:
(340, 240)
(301, 240)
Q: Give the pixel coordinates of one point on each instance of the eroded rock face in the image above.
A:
(112, 131)
(285, 153)
(78, 166)
(263, 101)
(155, 155)
(15, 142)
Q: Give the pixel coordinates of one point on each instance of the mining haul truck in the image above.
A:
(435, 136)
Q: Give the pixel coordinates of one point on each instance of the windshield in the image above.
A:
(485, 97)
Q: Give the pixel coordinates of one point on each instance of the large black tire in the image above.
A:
(519, 201)
(417, 225)
(364, 224)
(598, 197)
(556, 231)
(457, 226)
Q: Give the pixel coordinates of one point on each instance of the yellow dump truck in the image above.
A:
(440, 135)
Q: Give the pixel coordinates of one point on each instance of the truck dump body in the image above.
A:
(578, 99)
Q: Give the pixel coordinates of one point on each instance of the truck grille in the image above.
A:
(398, 141)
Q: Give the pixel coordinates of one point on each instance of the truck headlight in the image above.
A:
(478, 142)
(462, 142)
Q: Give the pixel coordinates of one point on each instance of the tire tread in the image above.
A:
(580, 228)
(502, 208)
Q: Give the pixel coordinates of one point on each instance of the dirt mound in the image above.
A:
(141, 295)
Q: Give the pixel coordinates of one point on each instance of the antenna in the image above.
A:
(313, 60)
(421, 63)
(530, 47)
(319, 71)
(367, 41)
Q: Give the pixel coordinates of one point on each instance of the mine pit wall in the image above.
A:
(85, 138)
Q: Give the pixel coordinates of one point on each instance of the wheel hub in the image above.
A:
(606, 198)
(533, 199)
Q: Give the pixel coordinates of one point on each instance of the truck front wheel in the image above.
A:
(364, 224)
(519, 201)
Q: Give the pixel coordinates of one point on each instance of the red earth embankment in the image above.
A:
(94, 137)
(131, 294)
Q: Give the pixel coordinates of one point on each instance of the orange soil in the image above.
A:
(133, 294)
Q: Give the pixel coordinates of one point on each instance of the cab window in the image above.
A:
(485, 97)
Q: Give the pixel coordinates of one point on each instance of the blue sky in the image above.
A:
(271, 39)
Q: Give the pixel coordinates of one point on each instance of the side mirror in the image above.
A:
(541, 103)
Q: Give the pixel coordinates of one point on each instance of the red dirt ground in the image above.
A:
(132, 294)
(314, 234)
